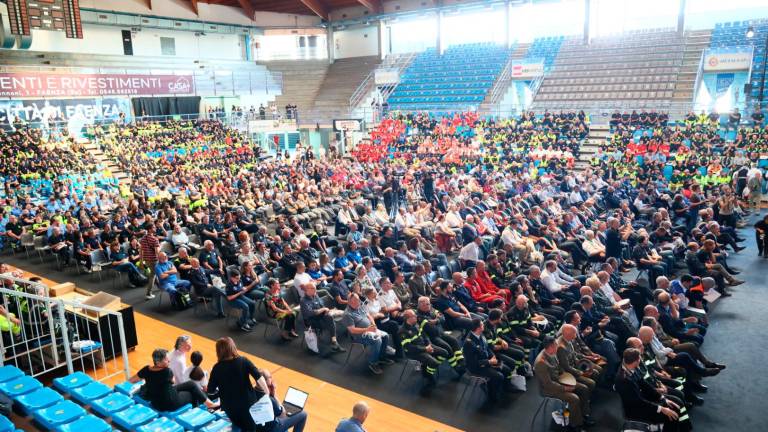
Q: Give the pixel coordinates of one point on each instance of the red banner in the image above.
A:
(57, 85)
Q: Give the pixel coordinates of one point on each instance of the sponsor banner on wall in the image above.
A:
(386, 76)
(728, 59)
(527, 69)
(261, 126)
(40, 84)
(74, 113)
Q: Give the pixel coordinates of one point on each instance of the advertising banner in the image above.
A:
(386, 76)
(527, 69)
(728, 59)
(57, 113)
(40, 84)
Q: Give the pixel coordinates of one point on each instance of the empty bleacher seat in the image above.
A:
(88, 423)
(218, 425)
(111, 404)
(38, 399)
(6, 425)
(63, 412)
(90, 392)
(128, 388)
(195, 419)
(72, 381)
(8, 373)
(161, 424)
(134, 416)
(19, 386)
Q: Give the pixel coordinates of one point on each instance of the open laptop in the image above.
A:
(294, 401)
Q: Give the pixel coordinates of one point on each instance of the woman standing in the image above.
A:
(230, 377)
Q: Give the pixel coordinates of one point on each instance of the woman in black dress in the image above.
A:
(160, 390)
(230, 377)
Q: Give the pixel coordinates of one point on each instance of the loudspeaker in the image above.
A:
(127, 42)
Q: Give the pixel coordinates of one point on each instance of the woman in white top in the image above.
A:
(195, 373)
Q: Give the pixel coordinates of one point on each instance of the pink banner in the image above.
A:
(35, 84)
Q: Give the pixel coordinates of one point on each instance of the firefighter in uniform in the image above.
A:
(417, 346)
(511, 354)
(430, 324)
(482, 362)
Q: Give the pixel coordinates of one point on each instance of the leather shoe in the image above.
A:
(699, 388)
(720, 366)
(734, 272)
(708, 372)
(695, 400)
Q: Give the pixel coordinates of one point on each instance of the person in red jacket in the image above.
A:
(487, 285)
(476, 290)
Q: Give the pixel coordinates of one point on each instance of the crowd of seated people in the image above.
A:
(484, 261)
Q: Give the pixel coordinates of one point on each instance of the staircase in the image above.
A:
(95, 150)
(596, 138)
(500, 87)
(343, 78)
(695, 44)
(302, 80)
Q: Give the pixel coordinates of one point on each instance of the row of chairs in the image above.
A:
(66, 409)
(635, 70)
(655, 97)
(613, 79)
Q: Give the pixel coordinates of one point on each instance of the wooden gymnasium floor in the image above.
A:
(327, 403)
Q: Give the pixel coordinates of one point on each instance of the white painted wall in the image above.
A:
(208, 12)
(357, 42)
(108, 40)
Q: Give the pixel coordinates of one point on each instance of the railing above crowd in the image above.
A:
(42, 334)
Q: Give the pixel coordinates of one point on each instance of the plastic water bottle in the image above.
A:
(566, 415)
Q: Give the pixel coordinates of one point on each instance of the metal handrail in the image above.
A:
(398, 61)
(499, 87)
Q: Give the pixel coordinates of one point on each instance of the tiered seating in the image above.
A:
(637, 69)
(130, 412)
(733, 34)
(458, 79)
(546, 48)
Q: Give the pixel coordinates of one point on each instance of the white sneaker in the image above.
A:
(149, 296)
(390, 350)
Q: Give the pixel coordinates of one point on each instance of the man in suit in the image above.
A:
(643, 402)
(547, 370)
(481, 361)
(418, 283)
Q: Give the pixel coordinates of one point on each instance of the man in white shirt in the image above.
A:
(471, 252)
(178, 358)
(592, 246)
(490, 223)
(522, 245)
(301, 279)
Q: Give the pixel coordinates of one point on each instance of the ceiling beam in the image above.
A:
(318, 7)
(193, 3)
(247, 7)
(372, 5)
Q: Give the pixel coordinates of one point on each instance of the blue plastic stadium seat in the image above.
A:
(217, 425)
(8, 373)
(61, 413)
(88, 423)
(175, 414)
(195, 419)
(6, 425)
(40, 398)
(128, 388)
(133, 417)
(90, 392)
(19, 386)
(72, 381)
(111, 404)
(161, 424)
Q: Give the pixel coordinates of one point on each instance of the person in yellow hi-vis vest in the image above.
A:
(9, 322)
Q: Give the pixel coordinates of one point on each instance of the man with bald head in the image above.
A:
(669, 317)
(583, 369)
(651, 320)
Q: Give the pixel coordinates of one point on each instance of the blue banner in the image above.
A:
(723, 83)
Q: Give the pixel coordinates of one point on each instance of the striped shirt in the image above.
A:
(149, 245)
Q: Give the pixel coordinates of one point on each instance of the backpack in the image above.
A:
(181, 300)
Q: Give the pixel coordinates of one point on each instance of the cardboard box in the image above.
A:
(102, 300)
(61, 289)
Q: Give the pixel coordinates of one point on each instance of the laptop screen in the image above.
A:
(295, 397)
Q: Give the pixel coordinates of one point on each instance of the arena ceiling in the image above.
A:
(320, 8)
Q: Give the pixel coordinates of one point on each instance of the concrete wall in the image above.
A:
(358, 42)
(108, 40)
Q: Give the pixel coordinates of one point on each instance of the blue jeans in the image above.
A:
(179, 285)
(130, 268)
(296, 421)
(376, 347)
(246, 306)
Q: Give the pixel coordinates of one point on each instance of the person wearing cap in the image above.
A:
(548, 371)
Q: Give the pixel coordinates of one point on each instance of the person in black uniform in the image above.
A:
(430, 322)
(417, 346)
(482, 362)
(761, 236)
(510, 353)
(642, 401)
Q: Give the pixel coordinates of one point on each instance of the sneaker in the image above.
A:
(736, 282)
(373, 367)
(149, 296)
(246, 328)
(338, 348)
(390, 351)
(385, 362)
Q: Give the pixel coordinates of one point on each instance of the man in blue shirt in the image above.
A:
(168, 276)
(355, 423)
(237, 297)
